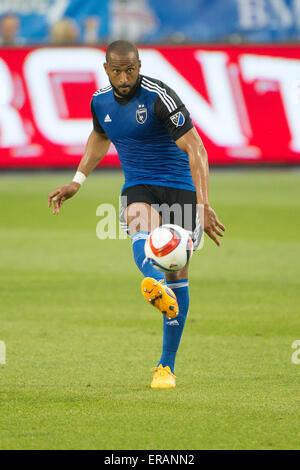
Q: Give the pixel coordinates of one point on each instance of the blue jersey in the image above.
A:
(144, 129)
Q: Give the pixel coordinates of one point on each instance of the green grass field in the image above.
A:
(80, 339)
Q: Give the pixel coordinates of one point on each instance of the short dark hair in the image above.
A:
(121, 47)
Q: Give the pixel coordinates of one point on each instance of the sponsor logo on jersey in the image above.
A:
(141, 114)
(107, 118)
(178, 119)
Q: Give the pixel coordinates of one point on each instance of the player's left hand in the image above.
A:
(212, 224)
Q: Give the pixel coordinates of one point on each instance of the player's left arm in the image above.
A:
(192, 144)
(173, 114)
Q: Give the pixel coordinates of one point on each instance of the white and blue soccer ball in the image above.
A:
(169, 248)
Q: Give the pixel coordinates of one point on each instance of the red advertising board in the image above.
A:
(244, 101)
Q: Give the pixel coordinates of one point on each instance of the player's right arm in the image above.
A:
(96, 148)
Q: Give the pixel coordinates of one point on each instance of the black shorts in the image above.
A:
(174, 205)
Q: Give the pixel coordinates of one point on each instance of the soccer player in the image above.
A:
(164, 163)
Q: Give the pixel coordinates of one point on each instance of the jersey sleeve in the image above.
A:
(96, 124)
(171, 111)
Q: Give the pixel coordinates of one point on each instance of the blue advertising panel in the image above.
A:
(219, 20)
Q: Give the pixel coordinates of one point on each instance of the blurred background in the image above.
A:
(234, 63)
(75, 346)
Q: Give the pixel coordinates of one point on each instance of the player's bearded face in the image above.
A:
(123, 73)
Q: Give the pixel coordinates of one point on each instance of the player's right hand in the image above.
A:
(59, 195)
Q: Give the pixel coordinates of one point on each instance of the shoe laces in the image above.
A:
(162, 371)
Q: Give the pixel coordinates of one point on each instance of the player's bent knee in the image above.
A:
(141, 217)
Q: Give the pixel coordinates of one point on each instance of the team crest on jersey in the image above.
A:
(178, 119)
(141, 114)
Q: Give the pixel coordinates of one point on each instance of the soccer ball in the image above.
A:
(169, 247)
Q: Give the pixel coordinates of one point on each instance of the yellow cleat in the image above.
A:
(163, 378)
(160, 296)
